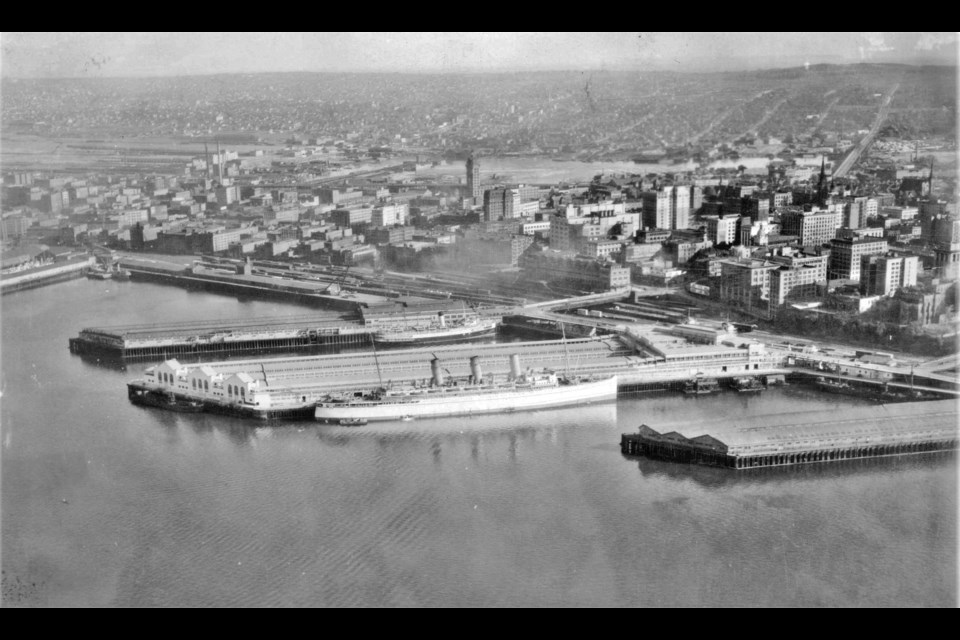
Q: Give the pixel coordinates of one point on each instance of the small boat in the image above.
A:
(701, 386)
(167, 401)
(747, 384)
(352, 422)
(99, 274)
(834, 386)
(406, 419)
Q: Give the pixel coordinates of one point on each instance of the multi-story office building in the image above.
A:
(228, 195)
(599, 247)
(519, 243)
(474, 190)
(696, 199)
(589, 220)
(854, 212)
(569, 270)
(198, 240)
(14, 226)
(723, 229)
(389, 215)
(350, 217)
(799, 276)
(657, 208)
(131, 217)
(756, 207)
(781, 199)
(746, 283)
(814, 227)
(501, 204)
(680, 207)
(845, 255)
(883, 275)
(332, 196)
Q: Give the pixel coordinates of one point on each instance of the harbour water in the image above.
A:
(107, 503)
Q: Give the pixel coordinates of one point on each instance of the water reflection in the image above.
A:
(533, 508)
(102, 361)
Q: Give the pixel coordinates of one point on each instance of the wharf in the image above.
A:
(46, 274)
(253, 335)
(803, 437)
(295, 383)
(250, 285)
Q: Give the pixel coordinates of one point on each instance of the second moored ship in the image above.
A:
(470, 396)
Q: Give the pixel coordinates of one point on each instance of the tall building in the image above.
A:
(501, 204)
(473, 179)
(389, 215)
(584, 273)
(756, 207)
(855, 212)
(746, 283)
(883, 275)
(680, 207)
(696, 199)
(594, 220)
(845, 255)
(723, 230)
(799, 277)
(658, 208)
(812, 227)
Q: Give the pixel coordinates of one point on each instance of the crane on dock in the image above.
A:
(337, 285)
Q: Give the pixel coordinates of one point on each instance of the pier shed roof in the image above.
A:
(897, 423)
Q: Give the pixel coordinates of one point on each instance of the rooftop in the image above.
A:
(833, 428)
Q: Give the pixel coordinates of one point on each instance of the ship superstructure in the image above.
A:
(476, 394)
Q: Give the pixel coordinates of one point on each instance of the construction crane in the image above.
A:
(337, 285)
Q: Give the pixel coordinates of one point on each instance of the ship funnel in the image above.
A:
(437, 373)
(475, 369)
(443, 320)
(514, 366)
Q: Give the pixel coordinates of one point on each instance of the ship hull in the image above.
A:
(439, 404)
(434, 337)
(163, 401)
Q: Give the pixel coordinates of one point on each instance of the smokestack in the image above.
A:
(443, 320)
(206, 159)
(219, 163)
(437, 373)
(515, 367)
(475, 369)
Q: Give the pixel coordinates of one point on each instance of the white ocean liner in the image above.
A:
(439, 333)
(522, 392)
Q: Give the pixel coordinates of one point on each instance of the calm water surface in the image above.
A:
(106, 503)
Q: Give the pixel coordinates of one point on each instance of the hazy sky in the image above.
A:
(151, 54)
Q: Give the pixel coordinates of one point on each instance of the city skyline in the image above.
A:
(130, 54)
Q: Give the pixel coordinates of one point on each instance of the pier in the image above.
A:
(330, 287)
(643, 359)
(255, 335)
(294, 384)
(46, 274)
(803, 438)
(319, 294)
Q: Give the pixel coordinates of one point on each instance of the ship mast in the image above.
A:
(566, 352)
(376, 359)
